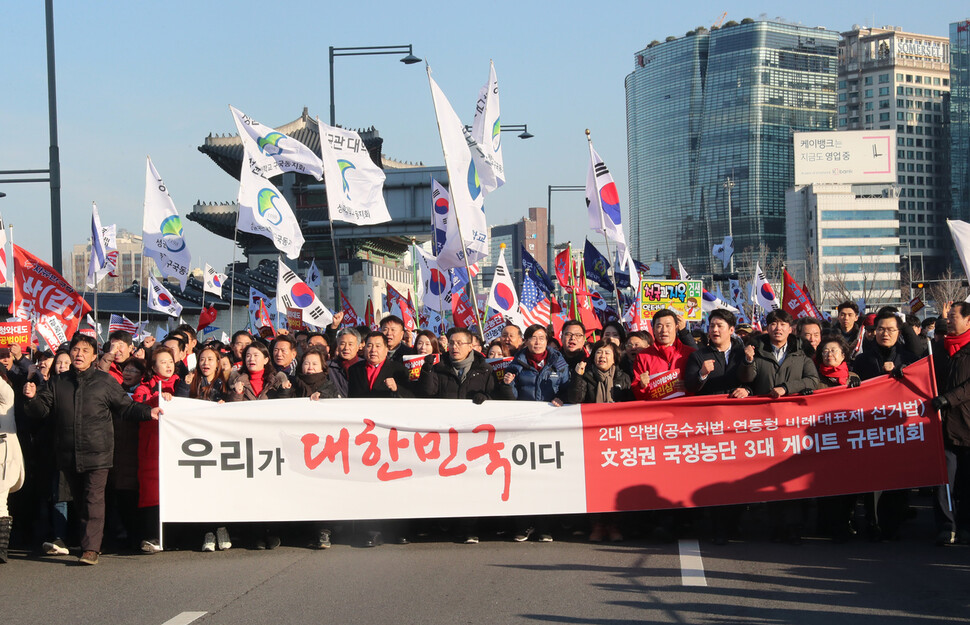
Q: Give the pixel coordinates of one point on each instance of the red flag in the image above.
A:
(674, 275)
(796, 301)
(562, 269)
(369, 315)
(39, 290)
(350, 315)
(410, 314)
(463, 312)
(206, 317)
(262, 317)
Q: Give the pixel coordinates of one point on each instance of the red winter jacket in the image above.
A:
(147, 393)
(656, 359)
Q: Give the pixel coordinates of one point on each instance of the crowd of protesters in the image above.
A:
(79, 427)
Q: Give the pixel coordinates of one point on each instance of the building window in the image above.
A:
(883, 78)
(867, 80)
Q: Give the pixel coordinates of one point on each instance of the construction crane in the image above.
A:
(720, 21)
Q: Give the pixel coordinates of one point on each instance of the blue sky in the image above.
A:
(138, 78)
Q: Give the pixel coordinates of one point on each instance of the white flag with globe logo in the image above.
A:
(291, 292)
(272, 152)
(467, 199)
(355, 184)
(487, 133)
(162, 234)
(263, 211)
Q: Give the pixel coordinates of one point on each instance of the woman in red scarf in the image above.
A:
(255, 380)
(164, 377)
(835, 513)
(833, 370)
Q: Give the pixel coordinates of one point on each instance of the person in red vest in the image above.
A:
(672, 345)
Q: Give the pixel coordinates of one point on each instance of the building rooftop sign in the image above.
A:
(845, 157)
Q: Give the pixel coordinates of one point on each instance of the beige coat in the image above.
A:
(11, 458)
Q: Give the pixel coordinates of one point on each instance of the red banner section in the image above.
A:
(39, 290)
(708, 451)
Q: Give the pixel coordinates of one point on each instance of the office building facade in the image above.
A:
(889, 78)
(959, 121)
(719, 106)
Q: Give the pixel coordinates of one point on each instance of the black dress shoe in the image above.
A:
(374, 539)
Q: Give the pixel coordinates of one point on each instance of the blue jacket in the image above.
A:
(545, 385)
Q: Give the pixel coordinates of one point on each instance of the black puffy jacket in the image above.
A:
(81, 405)
(441, 381)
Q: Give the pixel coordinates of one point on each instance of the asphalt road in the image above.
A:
(910, 581)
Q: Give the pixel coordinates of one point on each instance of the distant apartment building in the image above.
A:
(890, 78)
(129, 264)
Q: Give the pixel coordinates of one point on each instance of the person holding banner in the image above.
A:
(953, 402)
(539, 372)
(659, 369)
(255, 381)
(81, 403)
(313, 380)
(164, 378)
(393, 328)
(209, 381)
(775, 365)
(377, 375)
(347, 352)
(462, 373)
(835, 513)
(11, 460)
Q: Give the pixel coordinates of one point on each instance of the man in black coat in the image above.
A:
(82, 402)
(377, 375)
(393, 328)
(953, 374)
(775, 364)
(886, 354)
(713, 369)
(462, 373)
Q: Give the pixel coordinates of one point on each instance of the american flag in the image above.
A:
(533, 309)
(120, 322)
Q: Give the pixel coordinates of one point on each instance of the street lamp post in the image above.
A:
(551, 259)
(409, 59)
(728, 186)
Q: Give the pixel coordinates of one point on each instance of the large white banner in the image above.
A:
(296, 459)
(845, 157)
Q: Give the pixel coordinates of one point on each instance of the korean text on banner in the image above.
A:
(14, 332)
(450, 458)
(684, 297)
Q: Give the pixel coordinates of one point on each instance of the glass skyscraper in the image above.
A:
(960, 119)
(719, 105)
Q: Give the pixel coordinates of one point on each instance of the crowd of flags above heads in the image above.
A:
(459, 229)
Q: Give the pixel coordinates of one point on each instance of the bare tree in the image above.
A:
(948, 288)
(865, 282)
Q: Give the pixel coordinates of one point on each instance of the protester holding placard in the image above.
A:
(658, 370)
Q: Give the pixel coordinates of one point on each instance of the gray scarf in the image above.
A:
(461, 367)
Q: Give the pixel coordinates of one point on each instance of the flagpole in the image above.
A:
(203, 283)
(464, 250)
(232, 282)
(337, 291)
(13, 274)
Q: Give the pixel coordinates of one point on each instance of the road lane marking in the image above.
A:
(184, 618)
(691, 564)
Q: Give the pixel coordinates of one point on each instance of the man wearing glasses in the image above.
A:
(887, 354)
(462, 373)
(572, 337)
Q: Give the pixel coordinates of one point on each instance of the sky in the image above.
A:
(137, 79)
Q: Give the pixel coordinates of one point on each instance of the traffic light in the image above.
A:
(918, 285)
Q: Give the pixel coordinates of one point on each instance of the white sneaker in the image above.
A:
(56, 548)
(209, 542)
(150, 546)
(222, 536)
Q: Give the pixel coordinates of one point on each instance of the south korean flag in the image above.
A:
(161, 300)
(291, 292)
